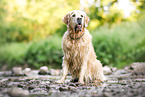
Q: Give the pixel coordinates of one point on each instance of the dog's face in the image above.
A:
(76, 19)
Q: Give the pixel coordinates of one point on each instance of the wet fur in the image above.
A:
(79, 56)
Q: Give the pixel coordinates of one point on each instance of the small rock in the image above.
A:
(20, 86)
(126, 68)
(106, 94)
(120, 71)
(113, 69)
(17, 71)
(54, 72)
(72, 84)
(45, 82)
(31, 87)
(138, 67)
(78, 84)
(51, 81)
(59, 94)
(16, 80)
(84, 87)
(63, 88)
(26, 71)
(28, 80)
(107, 70)
(71, 88)
(43, 70)
(48, 87)
(18, 92)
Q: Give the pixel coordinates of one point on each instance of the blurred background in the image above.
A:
(31, 31)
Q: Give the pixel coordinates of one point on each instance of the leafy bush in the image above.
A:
(119, 45)
(140, 52)
(45, 52)
(116, 45)
(34, 54)
(13, 54)
(111, 50)
(12, 32)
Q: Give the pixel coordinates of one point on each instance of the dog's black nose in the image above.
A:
(79, 21)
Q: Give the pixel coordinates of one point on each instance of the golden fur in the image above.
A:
(79, 56)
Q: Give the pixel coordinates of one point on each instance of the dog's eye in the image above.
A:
(81, 15)
(73, 15)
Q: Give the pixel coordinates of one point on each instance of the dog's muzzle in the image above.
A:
(79, 21)
(79, 25)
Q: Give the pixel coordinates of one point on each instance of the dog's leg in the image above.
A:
(82, 72)
(64, 72)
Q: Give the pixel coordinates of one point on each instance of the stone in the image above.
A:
(26, 71)
(120, 71)
(17, 92)
(113, 69)
(47, 87)
(78, 84)
(20, 86)
(17, 71)
(106, 94)
(31, 87)
(55, 72)
(84, 87)
(43, 70)
(107, 70)
(59, 94)
(72, 84)
(127, 69)
(71, 88)
(63, 88)
(138, 67)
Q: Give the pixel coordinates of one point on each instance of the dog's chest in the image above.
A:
(74, 53)
(74, 46)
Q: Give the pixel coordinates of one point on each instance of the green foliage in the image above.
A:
(15, 31)
(111, 50)
(46, 52)
(13, 54)
(117, 46)
(35, 54)
(140, 52)
(120, 44)
(28, 20)
(109, 15)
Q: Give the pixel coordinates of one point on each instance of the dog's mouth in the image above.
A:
(78, 32)
(78, 28)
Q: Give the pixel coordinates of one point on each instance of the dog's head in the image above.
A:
(77, 20)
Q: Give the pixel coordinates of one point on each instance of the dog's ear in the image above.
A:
(65, 19)
(86, 20)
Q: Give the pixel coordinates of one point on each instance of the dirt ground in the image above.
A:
(34, 85)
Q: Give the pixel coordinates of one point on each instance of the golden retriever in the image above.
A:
(79, 56)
